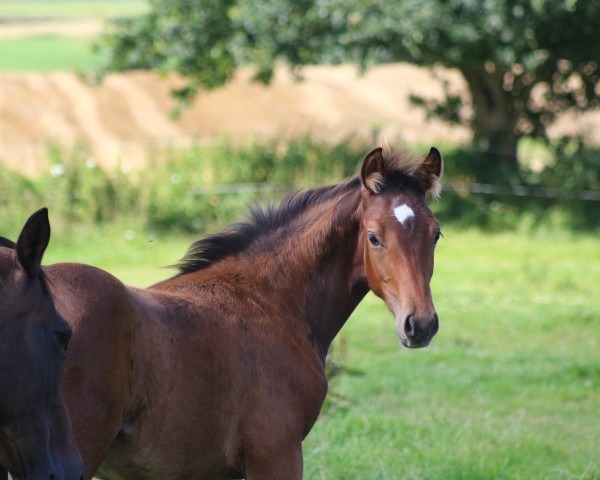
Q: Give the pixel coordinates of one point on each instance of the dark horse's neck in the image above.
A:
(305, 253)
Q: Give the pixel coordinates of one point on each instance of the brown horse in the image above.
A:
(218, 372)
(35, 437)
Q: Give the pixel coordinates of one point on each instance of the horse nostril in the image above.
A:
(409, 326)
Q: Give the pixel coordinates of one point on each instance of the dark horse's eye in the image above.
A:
(373, 239)
(438, 235)
(63, 338)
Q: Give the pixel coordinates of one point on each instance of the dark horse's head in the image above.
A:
(35, 434)
(399, 234)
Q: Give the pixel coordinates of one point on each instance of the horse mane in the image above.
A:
(5, 242)
(238, 237)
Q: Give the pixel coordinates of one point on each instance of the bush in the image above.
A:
(554, 195)
(203, 188)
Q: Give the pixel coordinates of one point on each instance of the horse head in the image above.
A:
(35, 434)
(398, 237)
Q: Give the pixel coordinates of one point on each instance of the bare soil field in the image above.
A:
(129, 114)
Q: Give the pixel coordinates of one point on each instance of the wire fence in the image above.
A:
(461, 188)
(522, 191)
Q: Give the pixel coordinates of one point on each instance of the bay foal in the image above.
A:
(218, 372)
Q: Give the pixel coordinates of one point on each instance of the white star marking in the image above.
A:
(403, 213)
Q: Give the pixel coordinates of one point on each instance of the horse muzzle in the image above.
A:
(417, 332)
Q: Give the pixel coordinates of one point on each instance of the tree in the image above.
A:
(190, 37)
(524, 61)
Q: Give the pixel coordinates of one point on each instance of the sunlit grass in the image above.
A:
(70, 8)
(47, 53)
(509, 388)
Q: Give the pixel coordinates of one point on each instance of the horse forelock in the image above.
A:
(264, 223)
(400, 167)
(399, 162)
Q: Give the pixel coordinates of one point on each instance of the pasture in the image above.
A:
(61, 9)
(46, 53)
(509, 388)
(42, 36)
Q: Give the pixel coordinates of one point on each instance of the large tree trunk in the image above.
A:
(495, 116)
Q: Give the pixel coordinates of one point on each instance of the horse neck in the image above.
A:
(313, 272)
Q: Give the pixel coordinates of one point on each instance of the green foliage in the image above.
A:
(203, 188)
(563, 194)
(505, 50)
(524, 61)
(192, 190)
(190, 37)
(189, 201)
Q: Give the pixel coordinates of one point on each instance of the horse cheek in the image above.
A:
(372, 271)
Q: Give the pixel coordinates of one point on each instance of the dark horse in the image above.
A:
(35, 436)
(218, 372)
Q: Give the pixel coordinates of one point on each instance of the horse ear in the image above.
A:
(33, 241)
(372, 171)
(430, 172)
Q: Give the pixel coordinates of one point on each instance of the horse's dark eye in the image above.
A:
(438, 235)
(63, 338)
(373, 239)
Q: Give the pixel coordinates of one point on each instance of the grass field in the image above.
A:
(34, 52)
(47, 53)
(509, 388)
(47, 9)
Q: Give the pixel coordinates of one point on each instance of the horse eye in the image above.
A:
(373, 239)
(63, 338)
(438, 235)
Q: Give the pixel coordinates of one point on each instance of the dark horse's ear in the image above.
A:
(430, 172)
(33, 241)
(372, 171)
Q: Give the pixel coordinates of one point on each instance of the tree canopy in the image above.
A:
(524, 61)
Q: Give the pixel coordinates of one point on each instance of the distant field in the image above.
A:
(46, 54)
(55, 35)
(509, 388)
(22, 9)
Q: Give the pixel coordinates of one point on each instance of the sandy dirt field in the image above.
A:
(128, 115)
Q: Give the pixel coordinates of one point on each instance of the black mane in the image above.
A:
(238, 237)
(5, 242)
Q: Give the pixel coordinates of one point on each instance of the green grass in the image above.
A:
(19, 9)
(136, 257)
(509, 388)
(47, 53)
